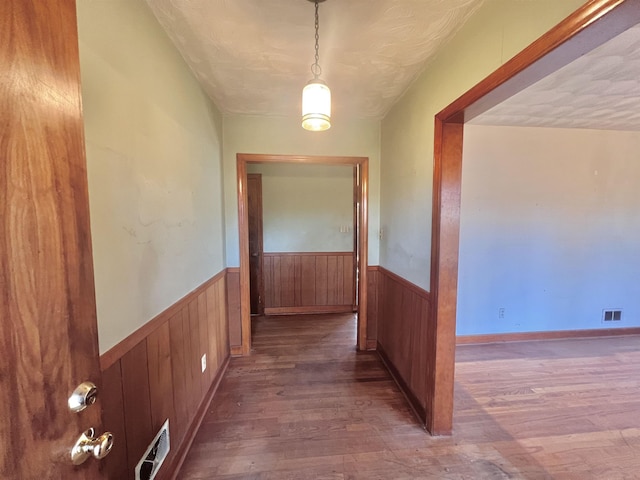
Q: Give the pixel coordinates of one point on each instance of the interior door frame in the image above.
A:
(587, 28)
(362, 163)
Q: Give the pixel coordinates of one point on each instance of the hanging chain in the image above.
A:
(315, 68)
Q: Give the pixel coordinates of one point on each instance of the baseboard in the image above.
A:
(236, 351)
(413, 401)
(372, 344)
(190, 435)
(308, 309)
(554, 335)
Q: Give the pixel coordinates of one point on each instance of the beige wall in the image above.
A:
(549, 229)
(497, 31)
(154, 160)
(283, 135)
(306, 208)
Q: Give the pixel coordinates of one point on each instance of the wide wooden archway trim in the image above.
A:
(589, 27)
(243, 226)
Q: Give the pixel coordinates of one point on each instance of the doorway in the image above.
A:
(354, 265)
(587, 28)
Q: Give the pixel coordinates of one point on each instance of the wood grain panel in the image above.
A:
(298, 282)
(160, 377)
(308, 310)
(137, 404)
(115, 464)
(322, 280)
(287, 281)
(372, 307)
(222, 323)
(348, 282)
(267, 271)
(234, 320)
(212, 326)
(276, 286)
(182, 381)
(194, 333)
(307, 280)
(333, 279)
(403, 313)
(203, 321)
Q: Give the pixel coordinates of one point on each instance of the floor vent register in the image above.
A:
(152, 460)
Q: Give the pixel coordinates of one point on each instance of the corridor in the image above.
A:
(306, 405)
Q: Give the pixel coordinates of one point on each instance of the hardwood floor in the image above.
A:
(306, 405)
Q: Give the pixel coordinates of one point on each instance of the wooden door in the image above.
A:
(256, 259)
(48, 334)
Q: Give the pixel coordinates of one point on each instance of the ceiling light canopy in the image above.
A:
(316, 96)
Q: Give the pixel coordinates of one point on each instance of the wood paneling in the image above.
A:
(590, 26)
(116, 463)
(160, 378)
(403, 313)
(372, 307)
(182, 379)
(137, 404)
(308, 282)
(48, 338)
(233, 309)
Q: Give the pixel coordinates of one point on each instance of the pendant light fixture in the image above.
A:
(316, 96)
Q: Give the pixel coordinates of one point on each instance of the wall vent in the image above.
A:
(152, 459)
(613, 315)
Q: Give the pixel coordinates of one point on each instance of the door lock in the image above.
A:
(83, 396)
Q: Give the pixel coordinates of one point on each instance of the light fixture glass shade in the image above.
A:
(316, 106)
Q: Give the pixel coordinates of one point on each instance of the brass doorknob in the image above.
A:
(88, 445)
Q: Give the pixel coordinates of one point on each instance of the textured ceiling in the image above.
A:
(600, 90)
(254, 56)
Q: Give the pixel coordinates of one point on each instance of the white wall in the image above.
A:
(550, 229)
(305, 206)
(153, 144)
(284, 135)
(495, 33)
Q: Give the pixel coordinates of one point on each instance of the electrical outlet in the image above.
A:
(203, 361)
(501, 312)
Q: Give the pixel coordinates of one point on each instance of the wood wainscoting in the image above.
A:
(309, 282)
(155, 374)
(402, 323)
